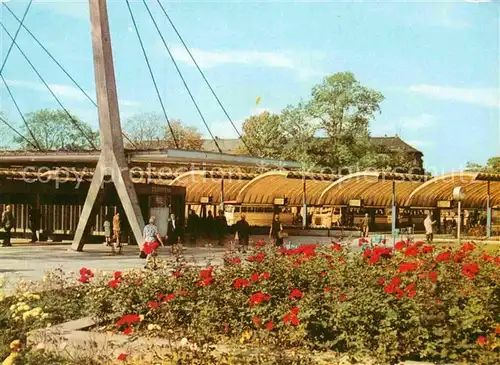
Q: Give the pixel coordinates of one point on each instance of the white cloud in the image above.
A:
(480, 96)
(419, 122)
(78, 9)
(283, 60)
(62, 91)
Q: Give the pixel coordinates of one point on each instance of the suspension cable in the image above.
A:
(75, 123)
(60, 66)
(204, 77)
(15, 131)
(20, 113)
(181, 76)
(15, 37)
(152, 75)
(21, 22)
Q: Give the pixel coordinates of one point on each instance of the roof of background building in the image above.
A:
(231, 145)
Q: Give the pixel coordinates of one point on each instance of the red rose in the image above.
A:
(468, 247)
(257, 258)
(236, 260)
(127, 331)
(117, 275)
(342, 298)
(113, 284)
(265, 275)
(258, 298)
(408, 267)
(399, 245)
(433, 276)
(270, 325)
(260, 243)
(122, 357)
(470, 270)
(381, 281)
(481, 340)
(337, 247)
(411, 290)
(169, 297)
(255, 276)
(128, 319)
(427, 249)
(444, 256)
(257, 321)
(327, 290)
(241, 283)
(176, 274)
(153, 305)
(411, 251)
(296, 294)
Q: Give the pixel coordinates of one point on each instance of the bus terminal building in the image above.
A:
(176, 181)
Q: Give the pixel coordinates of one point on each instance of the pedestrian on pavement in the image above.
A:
(116, 234)
(366, 225)
(193, 223)
(209, 225)
(7, 223)
(243, 233)
(276, 231)
(107, 230)
(152, 240)
(221, 227)
(173, 232)
(428, 223)
(35, 219)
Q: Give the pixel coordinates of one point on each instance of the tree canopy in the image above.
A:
(492, 166)
(53, 129)
(150, 130)
(331, 129)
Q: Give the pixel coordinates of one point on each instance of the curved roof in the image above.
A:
(441, 188)
(278, 184)
(373, 188)
(204, 184)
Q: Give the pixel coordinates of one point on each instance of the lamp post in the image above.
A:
(459, 196)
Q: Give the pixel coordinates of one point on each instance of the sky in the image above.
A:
(436, 63)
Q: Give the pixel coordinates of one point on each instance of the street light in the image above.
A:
(459, 196)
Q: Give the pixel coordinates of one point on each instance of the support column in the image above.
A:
(222, 193)
(112, 161)
(459, 223)
(488, 212)
(304, 201)
(394, 210)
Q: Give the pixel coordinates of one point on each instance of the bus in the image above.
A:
(260, 216)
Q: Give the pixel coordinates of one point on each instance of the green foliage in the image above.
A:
(492, 166)
(55, 130)
(150, 130)
(331, 130)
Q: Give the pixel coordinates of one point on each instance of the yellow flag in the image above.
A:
(257, 102)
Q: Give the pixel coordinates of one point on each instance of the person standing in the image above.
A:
(221, 227)
(209, 225)
(243, 232)
(117, 233)
(107, 231)
(275, 233)
(428, 223)
(8, 224)
(193, 226)
(173, 232)
(152, 240)
(34, 223)
(365, 224)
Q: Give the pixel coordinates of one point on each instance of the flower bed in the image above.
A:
(413, 302)
(410, 303)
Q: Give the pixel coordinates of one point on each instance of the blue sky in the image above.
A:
(437, 64)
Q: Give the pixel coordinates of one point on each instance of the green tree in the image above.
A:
(55, 130)
(150, 131)
(343, 107)
(264, 135)
(492, 166)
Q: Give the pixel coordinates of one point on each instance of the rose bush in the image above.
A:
(413, 302)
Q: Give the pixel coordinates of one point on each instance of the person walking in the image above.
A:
(7, 223)
(428, 223)
(365, 224)
(116, 234)
(243, 233)
(276, 231)
(152, 240)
